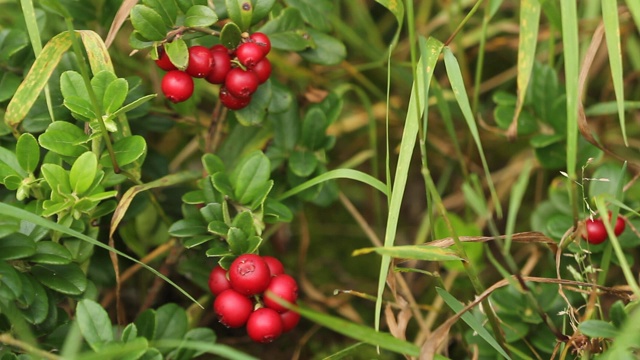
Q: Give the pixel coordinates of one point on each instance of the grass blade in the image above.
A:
(456, 306)
(529, 24)
(414, 252)
(457, 85)
(612, 34)
(337, 174)
(571, 68)
(515, 200)
(424, 73)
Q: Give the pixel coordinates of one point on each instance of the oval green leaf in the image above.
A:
(16, 246)
(83, 172)
(200, 15)
(148, 23)
(95, 325)
(28, 152)
(49, 252)
(66, 279)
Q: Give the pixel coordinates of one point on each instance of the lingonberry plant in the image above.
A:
(169, 179)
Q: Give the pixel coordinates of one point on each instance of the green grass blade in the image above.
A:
(612, 34)
(36, 43)
(476, 325)
(424, 73)
(337, 174)
(349, 350)
(396, 7)
(515, 201)
(529, 24)
(571, 68)
(457, 85)
(414, 252)
(17, 213)
(634, 8)
(225, 351)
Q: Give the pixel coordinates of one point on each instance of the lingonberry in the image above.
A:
(596, 232)
(241, 83)
(262, 40)
(232, 102)
(249, 54)
(177, 86)
(264, 325)
(262, 70)
(219, 47)
(620, 225)
(232, 308)
(164, 62)
(249, 274)
(275, 266)
(200, 61)
(282, 287)
(220, 67)
(218, 281)
(289, 320)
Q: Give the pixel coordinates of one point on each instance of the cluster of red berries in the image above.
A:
(239, 71)
(245, 295)
(596, 233)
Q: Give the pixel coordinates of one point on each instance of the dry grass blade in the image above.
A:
(524, 237)
(119, 19)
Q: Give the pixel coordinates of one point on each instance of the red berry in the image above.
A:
(218, 281)
(221, 65)
(241, 83)
(262, 40)
(249, 274)
(249, 54)
(232, 308)
(596, 232)
(177, 86)
(262, 70)
(219, 47)
(282, 287)
(289, 320)
(164, 62)
(275, 266)
(620, 225)
(264, 325)
(232, 102)
(200, 61)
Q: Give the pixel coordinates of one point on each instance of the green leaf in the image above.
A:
(327, 50)
(598, 329)
(95, 325)
(72, 84)
(414, 252)
(38, 310)
(200, 15)
(80, 106)
(16, 246)
(178, 53)
(168, 10)
(240, 12)
(185, 5)
(129, 332)
(336, 174)
(218, 249)
(612, 33)
(504, 116)
(10, 284)
(148, 23)
(238, 241)
(114, 95)
(218, 227)
(212, 163)
(146, 323)
(64, 138)
(303, 162)
(314, 127)
(230, 35)
(49, 252)
(314, 12)
(617, 314)
(203, 335)
(9, 83)
(171, 323)
(9, 164)
(127, 150)
(476, 325)
(28, 152)
(11, 42)
(8, 226)
(67, 279)
(57, 178)
(261, 9)
(83, 172)
(197, 241)
(187, 227)
(571, 68)
(287, 31)
(249, 176)
(132, 105)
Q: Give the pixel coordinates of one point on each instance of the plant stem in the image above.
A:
(6, 338)
(463, 22)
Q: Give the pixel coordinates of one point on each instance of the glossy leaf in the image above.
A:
(148, 22)
(178, 53)
(67, 279)
(203, 335)
(127, 150)
(249, 176)
(146, 323)
(598, 329)
(200, 15)
(185, 5)
(80, 106)
(255, 113)
(28, 152)
(187, 227)
(72, 84)
(240, 12)
(49, 252)
(114, 95)
(16, 246)
(167, 9)
(287, 31)
(230, 35)
(65, 139)
(57, 177)
(171, 322)
(313, 12)
(326, 49)
(10, 284)
(94, 323)
(83, 172)
(303, 162)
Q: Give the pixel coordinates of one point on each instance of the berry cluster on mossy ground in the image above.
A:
(248, 293)
(238, 71)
